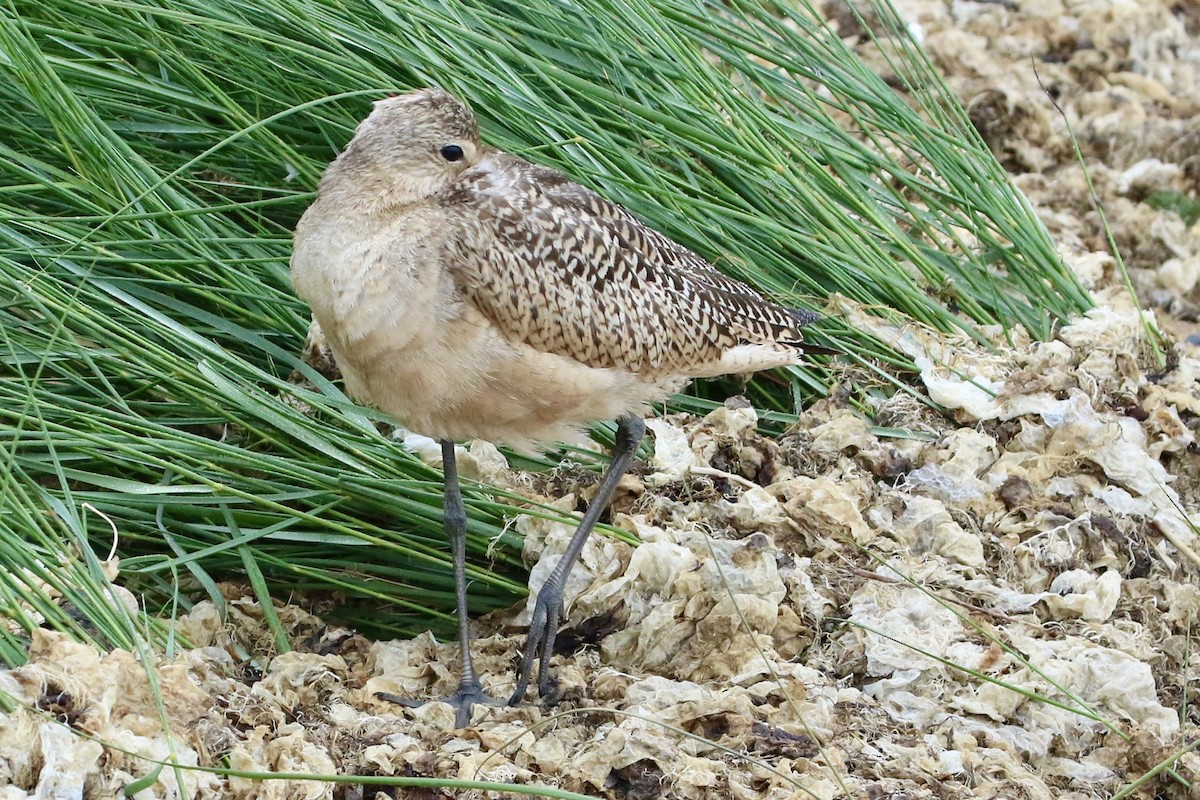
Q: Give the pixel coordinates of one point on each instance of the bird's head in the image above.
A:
(412, 146)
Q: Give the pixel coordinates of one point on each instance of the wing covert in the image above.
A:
(556, 266)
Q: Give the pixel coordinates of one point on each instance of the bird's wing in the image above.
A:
(556, 266)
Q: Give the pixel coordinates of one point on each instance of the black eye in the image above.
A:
(452, 152)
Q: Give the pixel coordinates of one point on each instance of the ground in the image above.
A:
(1000, 607)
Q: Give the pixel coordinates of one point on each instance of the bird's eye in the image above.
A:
(452, 152)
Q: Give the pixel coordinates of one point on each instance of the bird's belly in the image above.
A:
(460, 379)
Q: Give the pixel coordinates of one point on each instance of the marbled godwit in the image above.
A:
(472, 294)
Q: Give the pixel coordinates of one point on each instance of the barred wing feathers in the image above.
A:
(554, 265)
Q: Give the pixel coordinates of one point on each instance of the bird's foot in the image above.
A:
(469, 695)
(539, 645)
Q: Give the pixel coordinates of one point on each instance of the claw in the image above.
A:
(539, 644)
(464, 701)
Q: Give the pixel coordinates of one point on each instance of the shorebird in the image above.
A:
(472, 294)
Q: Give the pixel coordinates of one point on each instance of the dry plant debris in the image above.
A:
(1000, 608)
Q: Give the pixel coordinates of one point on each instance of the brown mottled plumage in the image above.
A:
(475, 295)
(558, 267)
(492, 298)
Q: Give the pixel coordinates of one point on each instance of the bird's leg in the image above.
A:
(455, 522)
(548, 607)
(470, 691)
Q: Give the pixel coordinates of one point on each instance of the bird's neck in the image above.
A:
(360, 187)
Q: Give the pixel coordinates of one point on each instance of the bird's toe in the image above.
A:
(463, 701)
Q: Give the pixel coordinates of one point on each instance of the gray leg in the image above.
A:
(454, 523)
(548, 607)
